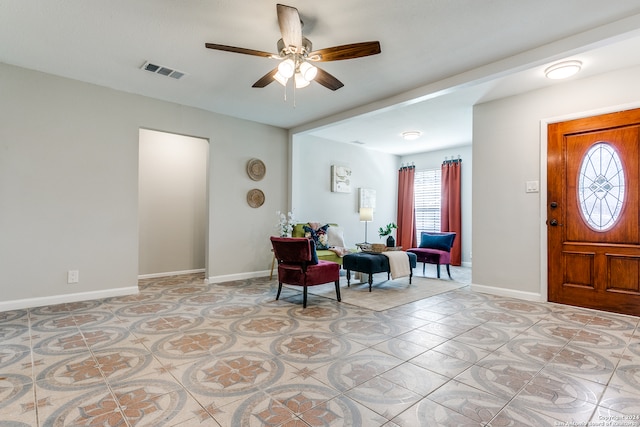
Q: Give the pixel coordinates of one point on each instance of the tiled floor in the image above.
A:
(189, 354)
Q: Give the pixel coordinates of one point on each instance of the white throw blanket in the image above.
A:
(398, 263)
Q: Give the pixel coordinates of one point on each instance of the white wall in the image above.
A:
(172, 195)
(69, 187)
(312, 199)
(509, 148)
(433, 160)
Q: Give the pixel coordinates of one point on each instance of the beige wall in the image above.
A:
(509, 148)
(69, 187)
(313, 200)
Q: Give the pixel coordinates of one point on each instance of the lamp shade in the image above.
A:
(300, 81)
(366, 214)
(281, 79)
(287, 68)
(308, 71)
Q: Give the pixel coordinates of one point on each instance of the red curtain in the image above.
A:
(406, 235)
(451, 211)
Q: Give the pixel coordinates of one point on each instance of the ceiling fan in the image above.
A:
(295, 54)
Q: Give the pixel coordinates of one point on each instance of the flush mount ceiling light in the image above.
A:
(411, 135)
(562, 70)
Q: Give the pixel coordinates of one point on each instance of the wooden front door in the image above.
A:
(593, 219)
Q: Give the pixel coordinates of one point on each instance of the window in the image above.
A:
(601, 186)
(427, 185)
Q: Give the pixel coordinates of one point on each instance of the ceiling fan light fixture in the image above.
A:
(287, 68)
(294, 50)
(280, 79)
(562, 70)
(301, 81)
(411, 135)
(308, 71)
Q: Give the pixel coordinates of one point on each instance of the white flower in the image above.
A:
(285, 223)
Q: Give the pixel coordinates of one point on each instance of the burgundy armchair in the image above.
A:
(435, 248)
(297, 265)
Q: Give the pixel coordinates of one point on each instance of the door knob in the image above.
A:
(554, 205)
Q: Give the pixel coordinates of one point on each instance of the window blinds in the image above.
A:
(427, 187)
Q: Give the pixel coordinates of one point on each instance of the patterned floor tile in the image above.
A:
(348, 372)
(415, 378)
(400, 348)
(470, 402)
(565, 398)
(383, 396)
(429, 413)
(513, 415)
(185, 352)
(423, 338)
(441, 363)
(502, 378)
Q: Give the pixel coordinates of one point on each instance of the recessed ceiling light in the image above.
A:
(562, 70)
(411, 135)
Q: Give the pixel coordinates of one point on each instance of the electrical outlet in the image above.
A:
(73, 276)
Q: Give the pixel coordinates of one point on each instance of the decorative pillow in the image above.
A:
(335, 237)
(314, 254)
(298, 230)
(319, 236)
(314, 225)
(440, 242)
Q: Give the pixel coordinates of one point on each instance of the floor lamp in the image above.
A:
(366, 215)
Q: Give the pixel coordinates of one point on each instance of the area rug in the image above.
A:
(385, 294)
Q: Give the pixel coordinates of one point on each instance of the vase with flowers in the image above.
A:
(285, 224)
(386, 231)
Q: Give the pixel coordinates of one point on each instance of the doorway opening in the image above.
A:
(172, 204)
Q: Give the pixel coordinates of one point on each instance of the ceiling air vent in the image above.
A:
(162, 70)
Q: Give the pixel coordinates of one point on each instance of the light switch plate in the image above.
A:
(532, 186)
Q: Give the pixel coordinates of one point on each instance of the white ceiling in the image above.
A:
(438, 58)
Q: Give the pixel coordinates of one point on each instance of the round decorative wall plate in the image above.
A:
(255, 198)
(256, 169)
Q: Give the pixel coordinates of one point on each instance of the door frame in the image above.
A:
(544, 139)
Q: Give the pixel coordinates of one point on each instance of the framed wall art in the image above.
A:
(340, 179)
(367, 198)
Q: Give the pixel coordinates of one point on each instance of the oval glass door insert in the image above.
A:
(601, 187)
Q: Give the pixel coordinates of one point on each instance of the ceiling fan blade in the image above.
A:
(327, 80)
(290, 26)
(266, 79)
(347, 51)
(240, 50)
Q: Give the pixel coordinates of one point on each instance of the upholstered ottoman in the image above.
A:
(371, 263)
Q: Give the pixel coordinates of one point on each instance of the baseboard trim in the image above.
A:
(66, 298)
(502, 292)
(169, 273)
(238, 276)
